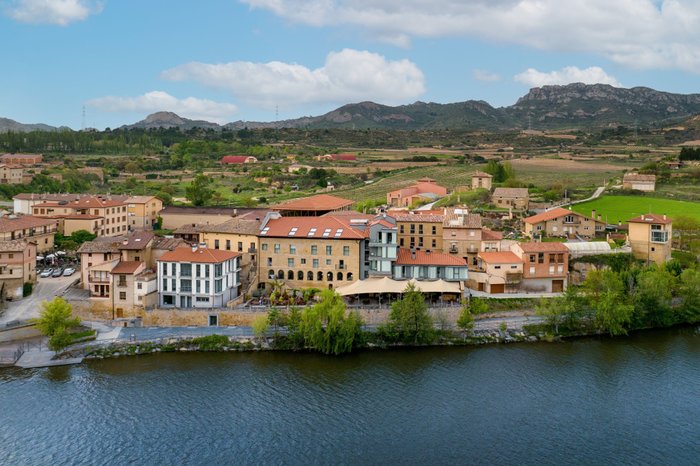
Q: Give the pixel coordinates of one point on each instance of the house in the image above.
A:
(198, 277)
(639, 182)
(39, 231)
(563, 222)
(515, 198)
(23, 202)
(17, 267)
(11, 174)
(237, 159)
(420, 230)
(317, 205)
(481, 180)
(383, 245)
(461, 235)
(425, 189)
(545, 266)
(498, 272)
(337, 158)
(188, 233)
(428, 265)
(313, 252)
(21, 159)
(142, 212)
(99, 215)
(650, 237)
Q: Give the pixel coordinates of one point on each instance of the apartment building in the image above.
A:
(313, 252)
(17, 267)
(429, 265)
(420, 231)
(198, 277)
(383, 245)
(562, 222)
(11, 174)
(39, 231)
(461, 235)
(102, 216)
(497, 272)
(142, 212)
(650, 237)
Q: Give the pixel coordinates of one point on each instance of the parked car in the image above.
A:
(46, 273)
(57, 272)
(68, 272)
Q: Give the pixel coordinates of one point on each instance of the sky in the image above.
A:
(105, 63)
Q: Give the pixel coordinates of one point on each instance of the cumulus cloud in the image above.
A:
(637, 33)
(348, 75)
(60, 12)
(486, 76)
(190, 107)
(569, 74)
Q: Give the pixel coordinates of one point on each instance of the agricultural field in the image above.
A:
(622, 208)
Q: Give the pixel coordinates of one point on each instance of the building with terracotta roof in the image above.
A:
(317, 205)
(428, 265)
(481, 180)
(142, 212)
(11, 174)
(511, 198)
(100, 215)
(545, 266)
(237, 159)
(17, 267)
(313, 252)
(639, 182)
(650, 237)
(562, 222)
(499, 272)
(462, 235)
(39, 231)
(23, 202)
(21, 159)
(420, 231)
(175, 217)
(198, 277)
(425, 189)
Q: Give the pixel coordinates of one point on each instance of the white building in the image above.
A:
(198, 277)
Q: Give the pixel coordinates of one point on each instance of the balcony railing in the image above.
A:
(99, 280)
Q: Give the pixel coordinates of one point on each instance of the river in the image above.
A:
(590, 401)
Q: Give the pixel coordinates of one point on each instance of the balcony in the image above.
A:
(454, 250)
(99, 280)
(659, 236)
(513, 278)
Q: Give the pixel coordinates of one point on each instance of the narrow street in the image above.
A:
(45, 289)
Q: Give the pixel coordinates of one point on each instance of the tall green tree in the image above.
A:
(689, 293)
(199, 191)
(652, 298)
(55, 320)
(409, 318)
(605, 295)
(326, 327)
(465, 321)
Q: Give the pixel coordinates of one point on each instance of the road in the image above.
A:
(44, 290)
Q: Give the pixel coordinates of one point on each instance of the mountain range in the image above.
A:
(549, 107)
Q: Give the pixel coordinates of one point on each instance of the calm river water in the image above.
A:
(593, 401)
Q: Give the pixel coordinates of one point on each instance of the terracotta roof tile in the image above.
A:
(20, 222)
(198, 255)
(503, 257)
(638, 177)
(551, 215)
(405, 257)
(651, 218)
(511, 192)
(321, 227)
(127, 267)
(490, 235)
(235, 225)
(482, 174)
(420, 218)
(547, 246)
(462, 221)
(319, 202)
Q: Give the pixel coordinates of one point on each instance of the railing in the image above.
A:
(99, 280)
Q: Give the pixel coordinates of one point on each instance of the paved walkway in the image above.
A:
(35, 358)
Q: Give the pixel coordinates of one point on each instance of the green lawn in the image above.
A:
(614, 208)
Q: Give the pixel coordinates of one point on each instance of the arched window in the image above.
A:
(319, 276)
(290, 275)
(280, 274)
(349, 276)
(271, 275)
(329, 276)
(340, 276)
(330, 286)
(300, 275)
(309, 275)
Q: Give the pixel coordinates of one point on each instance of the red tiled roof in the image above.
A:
(503, 257)
(83, 202)
(551, 215)
(405, 257)
(199, 255)
(234, 158)
(127, 267)
(315, 203)
(519, 193)
(638, 177)
(331, 227)
(490, 235)
(20, 222)
(346, 157)
(547, 246)
(482, 174)
(137, 240)
(651, 218)
(79, 216)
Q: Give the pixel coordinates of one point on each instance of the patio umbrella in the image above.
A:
(40, 258)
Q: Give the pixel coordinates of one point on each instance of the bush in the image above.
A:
(211, 342)
(27, 289)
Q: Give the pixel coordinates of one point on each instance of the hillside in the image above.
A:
(170, 120)
(11, 125)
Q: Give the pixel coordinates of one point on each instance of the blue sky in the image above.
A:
(227, 60)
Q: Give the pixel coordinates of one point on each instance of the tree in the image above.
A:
(199, 191)
(325, 326)
(409, 317)
(652, 297)
(82, 236)
(260, 324)
(55, 320)
(689, 292)
(605, 294)
(465, 321)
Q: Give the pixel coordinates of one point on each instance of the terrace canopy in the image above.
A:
(387, 285)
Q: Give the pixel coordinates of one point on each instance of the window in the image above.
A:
(206, 286)
(569, 219)
(497, 267)
(329, 276)
(346, 250)
(198, 269)
(341, 264)
(300, 275)
(139, 286)
(349, 276)
(269, 261)
(532, 258)
(271, 274)
(315, 263)
(218, 286)
(201, 299)
(277, 248)
(280, 275)
(198, 286)
(551, 269)
(434, 243)
(329, 262)
(218, 270)
(434, 230)
(173, 284)
(263, 247)
(292, 249)
(340, 276)
(400, 228)
(412, 228)
(532, 271)
(314, 249)
(240, 246)
(329, 250)
(186, 270)
(228, 244)
(165, 284)
(303, 261)
(216, 244)
(552, 258)
(290, 262)
(122, 280)
(122, 295)
(186, 286)
(168, 300)
(309, 275)
(540, 258)
(326, 233)
(319, 276)
(401, 242)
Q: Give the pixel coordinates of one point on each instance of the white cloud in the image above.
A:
(348, 75)
(61, 12)
(567, 75)
(486, 76)
(648, 34)
(156, 101)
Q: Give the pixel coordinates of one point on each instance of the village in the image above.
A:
(216, 263)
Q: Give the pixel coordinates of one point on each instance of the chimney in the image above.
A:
(194, 248)
(664, 216)
(202, 245)
(593, 214)
(125, 242)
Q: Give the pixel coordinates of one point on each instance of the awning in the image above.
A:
(387, 285)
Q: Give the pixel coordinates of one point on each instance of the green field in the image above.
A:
(622, 208)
